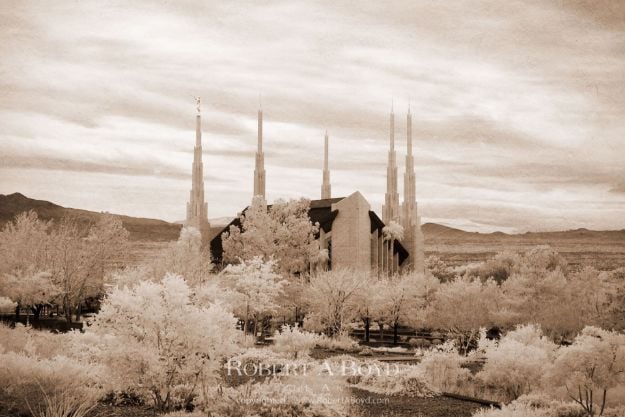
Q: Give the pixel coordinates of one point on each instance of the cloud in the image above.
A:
(518, 108)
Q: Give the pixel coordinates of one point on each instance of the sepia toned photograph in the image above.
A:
(403, 208)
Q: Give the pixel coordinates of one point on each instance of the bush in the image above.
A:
(533, 406)
(443, 370)
(405, 380)
(340, 342)
(294, 341)
(516, 364)
(159, 342)
(46, 385)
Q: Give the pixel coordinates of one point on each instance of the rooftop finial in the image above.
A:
(197, 101)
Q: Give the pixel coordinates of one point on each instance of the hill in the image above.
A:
(140, 228)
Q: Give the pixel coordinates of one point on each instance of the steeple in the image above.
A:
(390, 209)
(325, 187)
(259, 170)
(411, 221)
(197, 208)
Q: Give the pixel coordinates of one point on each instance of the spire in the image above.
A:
(259, 170)
(411, 221)
(197, 208)
(390, 209)
(325, 187)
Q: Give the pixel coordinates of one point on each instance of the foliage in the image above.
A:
(442, 369)
(405, 380)
(533, 406)
(185, 257)
(341, 341)
(255, 288)
(159, 342)
(439, 269)
(332, 298)
(65, 263)
(590, 367)
(41, 386)
(516, 364)
(283, 232)
(294, 341)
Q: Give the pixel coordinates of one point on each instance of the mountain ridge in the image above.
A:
(160, 230)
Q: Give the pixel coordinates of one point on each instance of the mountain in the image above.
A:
(139, 228)
(433, 232)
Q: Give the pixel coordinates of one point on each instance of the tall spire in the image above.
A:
(325, 187)
(259, 170)
(390, 209)
(411, 221)
(197, 208)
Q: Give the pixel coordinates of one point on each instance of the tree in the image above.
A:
(516, 364)
(462, 306)
(24, 257)
(80, 257)
(593, 364)
(160, 342)
(184, 257)
(283, 232)
(332, 298)
(28, 289)
(256, 287)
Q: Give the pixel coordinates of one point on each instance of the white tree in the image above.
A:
(516, 364)
(256, 288)
(332, 298)
(283, 232)
(81, 256)
(25, 252)
(590, 367)
(160, 342)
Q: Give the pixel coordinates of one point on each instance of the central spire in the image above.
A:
(259, 170)
(197, 208)
(325, 187)
(390, 209)
(411, 221)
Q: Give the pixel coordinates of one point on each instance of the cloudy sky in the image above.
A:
(518, 106)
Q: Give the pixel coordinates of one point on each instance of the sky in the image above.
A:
(518, 106)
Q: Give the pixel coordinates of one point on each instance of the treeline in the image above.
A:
(60, 264)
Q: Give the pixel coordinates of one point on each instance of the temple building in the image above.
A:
(352, 233)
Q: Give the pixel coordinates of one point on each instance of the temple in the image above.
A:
(352, 233)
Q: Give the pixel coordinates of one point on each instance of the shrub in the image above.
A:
(443, 370)
(340, 342)
(515, 365)
(46, 385)
(589, 369)
(294, 341)
(405, 380)
(533, 406)
(159, 343)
